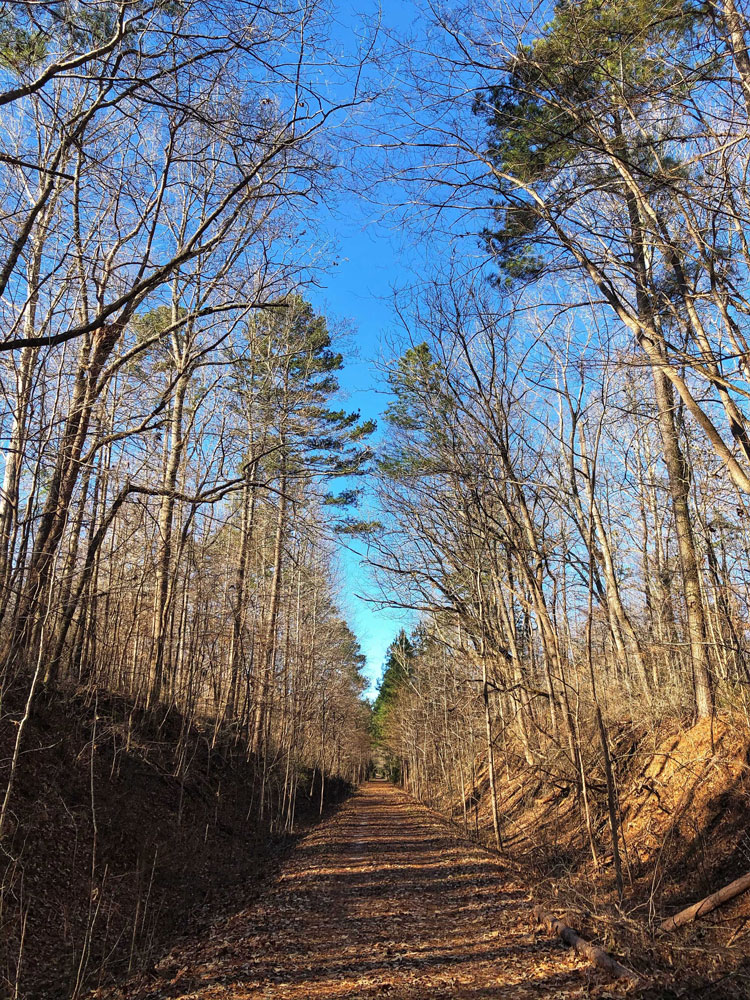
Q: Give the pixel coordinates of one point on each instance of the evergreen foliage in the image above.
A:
(398, 668)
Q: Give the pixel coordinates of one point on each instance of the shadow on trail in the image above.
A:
(379, 901)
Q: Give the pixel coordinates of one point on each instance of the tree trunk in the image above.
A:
(490, 754)
(677, 473)
(238, 616)
(269, 639)
(159, 639)
(29, 620)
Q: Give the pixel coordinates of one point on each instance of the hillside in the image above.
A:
(684, 803)
(129, 829)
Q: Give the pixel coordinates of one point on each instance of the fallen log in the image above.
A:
(592, 952)
(707, 904)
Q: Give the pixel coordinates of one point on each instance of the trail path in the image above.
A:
(381, 900)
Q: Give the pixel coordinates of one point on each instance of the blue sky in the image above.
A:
(370, 264)
(372, 259)
(374, 255)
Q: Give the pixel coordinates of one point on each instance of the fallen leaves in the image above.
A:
(380, 900)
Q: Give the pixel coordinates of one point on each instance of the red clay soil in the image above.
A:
(380, 900)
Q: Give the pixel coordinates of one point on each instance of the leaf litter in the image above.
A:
(383, 899)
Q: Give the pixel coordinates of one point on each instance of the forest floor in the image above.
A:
(128, 830)
(381, 899)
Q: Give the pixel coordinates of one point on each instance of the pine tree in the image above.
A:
(398, 668)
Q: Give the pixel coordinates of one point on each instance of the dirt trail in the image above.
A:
(380, 900)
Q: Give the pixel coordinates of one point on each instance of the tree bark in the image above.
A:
(164, 546)
(707, 904)
(593, 952)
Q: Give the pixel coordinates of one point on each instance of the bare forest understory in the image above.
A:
(141, 854)
(684, 804)
(385, 898)
(128, 830)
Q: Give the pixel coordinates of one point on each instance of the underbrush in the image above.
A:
(684, 809)
(127, 828)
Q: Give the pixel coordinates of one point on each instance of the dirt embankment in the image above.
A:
(685, 820)
(127, 829)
